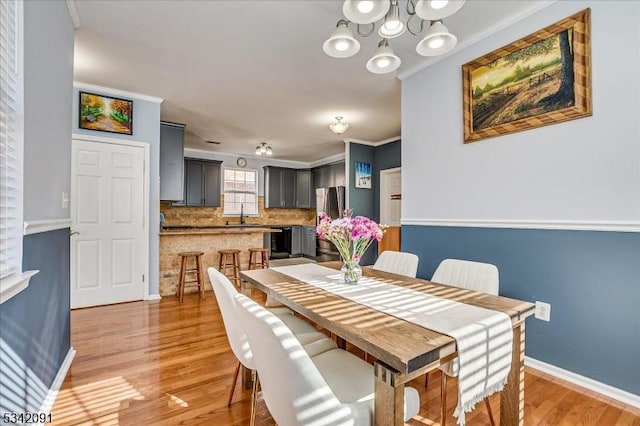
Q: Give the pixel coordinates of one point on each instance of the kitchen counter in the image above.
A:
(230, 229)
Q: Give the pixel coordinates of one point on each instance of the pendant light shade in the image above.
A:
(432, 10)
(264, 149)
(437, 40)
(384, 60)
(392, 25)
(339, 127)
(341, 43)
(365, 11)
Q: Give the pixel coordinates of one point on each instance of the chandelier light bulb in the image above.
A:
(269, 151)
(384, 60)
(365, 12)
(436, 43)
(439, 4)
(365, 6)
(392, 25)
(433, 10)
(341, 43)
(437, 40)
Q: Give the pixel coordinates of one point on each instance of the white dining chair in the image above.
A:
(314, 341)
(472, 276)
(397, 262)
(330, 389)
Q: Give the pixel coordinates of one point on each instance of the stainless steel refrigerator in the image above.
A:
(332, 202)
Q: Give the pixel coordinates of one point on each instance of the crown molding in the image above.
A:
(476, 37)
(369, 143)
(117, 92)
(73, 12)
(231, 155)
(327, 160)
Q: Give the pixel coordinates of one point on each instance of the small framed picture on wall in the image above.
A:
(363, 175)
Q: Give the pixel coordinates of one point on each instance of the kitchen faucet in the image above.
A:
(241, 214)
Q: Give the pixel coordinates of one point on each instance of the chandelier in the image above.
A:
(437, 39)
(264, 149)
(339, 127)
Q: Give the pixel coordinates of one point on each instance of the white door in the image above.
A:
(390, 196)
(107, 204)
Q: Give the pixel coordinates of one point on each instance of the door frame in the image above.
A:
(383, 173)
(145, 198)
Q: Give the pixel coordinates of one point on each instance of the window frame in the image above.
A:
(225, 213)
(16, 280)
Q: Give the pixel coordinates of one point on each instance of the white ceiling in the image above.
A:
(241, 72)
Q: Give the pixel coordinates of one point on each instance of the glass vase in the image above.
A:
(351, 272)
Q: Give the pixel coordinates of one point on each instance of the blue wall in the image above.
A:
(591, 279)
(387, 156)
(34, 335)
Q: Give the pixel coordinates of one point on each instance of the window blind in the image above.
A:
(11, 137)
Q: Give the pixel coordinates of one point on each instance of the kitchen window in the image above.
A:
(240, 188)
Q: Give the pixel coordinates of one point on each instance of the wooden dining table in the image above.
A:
(402, 350)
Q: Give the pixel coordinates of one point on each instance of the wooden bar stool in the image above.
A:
(197, 257)
(230, 259)
(258, 258)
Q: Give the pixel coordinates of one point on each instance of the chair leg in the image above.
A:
(443, 397)
(426, 380)
(233, 385)
(254, 397)
(491, 419)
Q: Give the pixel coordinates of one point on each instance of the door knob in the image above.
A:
(72, 232)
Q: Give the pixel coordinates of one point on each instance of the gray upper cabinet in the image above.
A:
(171, 161)
(303, 189)
(202, 182)
(329, 175)
(287, 188)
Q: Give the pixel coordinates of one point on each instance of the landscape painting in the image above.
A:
(541, 79)
(106, 114)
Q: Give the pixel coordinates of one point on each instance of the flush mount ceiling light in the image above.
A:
(264, 149)
(437, 40)
(339, 127)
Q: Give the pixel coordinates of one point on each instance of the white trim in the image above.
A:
(73, 12)
(476, 37)
(233, 156)
(147, 176)
(585, 382)
(45, 225)
(376, 144)
(327, 160)
(347, 174)
(153, 297)
(47, 404)
(574, 225)
(14, 284)
(117, 92)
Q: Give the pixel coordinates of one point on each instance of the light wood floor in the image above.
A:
(162, 363)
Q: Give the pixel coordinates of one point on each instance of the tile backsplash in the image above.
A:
(204, 216)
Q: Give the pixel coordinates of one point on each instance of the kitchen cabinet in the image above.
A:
(309, 241)
(329, 175)
(287, 188)
(297, 241)
(202, 182)
(303, 189)
(171, 161)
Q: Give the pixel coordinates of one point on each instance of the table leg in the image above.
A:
(389, 397)
(512, 396)
(341, 343)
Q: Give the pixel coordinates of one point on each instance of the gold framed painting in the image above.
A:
(541, 79)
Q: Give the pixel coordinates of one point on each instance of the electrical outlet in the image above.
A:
(543, 311)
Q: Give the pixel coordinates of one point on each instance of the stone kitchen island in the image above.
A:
(208, 240)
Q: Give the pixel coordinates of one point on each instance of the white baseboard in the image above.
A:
(599, 387)
(153, 297)
(47, 405)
